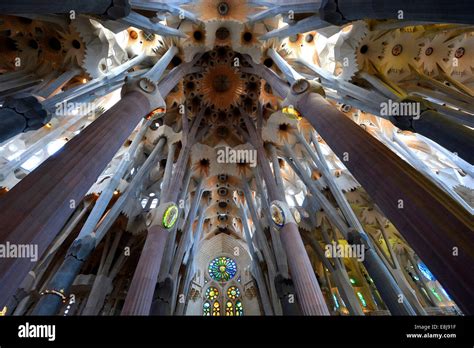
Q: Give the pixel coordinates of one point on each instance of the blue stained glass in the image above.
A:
(336, 302)
(222, 269)
(206, 309)
(212, 293)
(425, 271)
(239, 309)
(233, 292)
(445, 294)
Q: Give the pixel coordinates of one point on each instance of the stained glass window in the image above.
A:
(362, 299)
(239, 309)
(216, 309)
(425, 271)
(336, 302)
(233, 292)
(445, 294)
(222, 269)
(212, 293)
(229, 309)
(433, 290)
(206, 308)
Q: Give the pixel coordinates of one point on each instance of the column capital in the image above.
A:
(118, 9)
(149, 89)
(355, 237)
(82, 247)
(330, 13)
(165, 215)
(281, 213)
(30, 109)
(299, 90)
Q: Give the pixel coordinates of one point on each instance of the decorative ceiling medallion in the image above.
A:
(278, 215)
(222, 86)
(170, 216)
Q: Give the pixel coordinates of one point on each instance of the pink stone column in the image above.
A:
(140, 293)
(308, 292)
(36, 209)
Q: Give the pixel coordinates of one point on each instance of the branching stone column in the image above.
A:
(384, 281)
(140, 294)
(446, 132)
(256, 270)
(19, 115)
(190, 260)
(262, 243)
(70, 268)
(307, 288)
(423, 213)
(36, 209)
(185, 242)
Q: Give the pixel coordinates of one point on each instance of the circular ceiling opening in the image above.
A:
(223, 8)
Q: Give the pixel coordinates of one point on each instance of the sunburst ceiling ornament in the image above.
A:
(222, 86)
(197, 35)
(73, 45)
(248, 36)
(202, 167)
(236, 10)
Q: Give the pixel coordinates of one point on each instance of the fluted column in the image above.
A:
(35, 210)
(307, 288)
(451, 135)
(18, 115)
(435, 225)
(388, 288)
(174, 259)
(262, 243)
(65, 275)
(49, 303)
(140, 294)
(189, 261)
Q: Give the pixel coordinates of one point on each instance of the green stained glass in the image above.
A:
(239, 309)
(233, 292)
(425, 271)
(362, 299)
(222, 269)
(206, 309)
(212, 293)
(229, 309)
(170, 216)
(216, 309)
(433, 290)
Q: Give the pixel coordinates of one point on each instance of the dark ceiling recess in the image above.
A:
(223, 8)
(222, 33)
